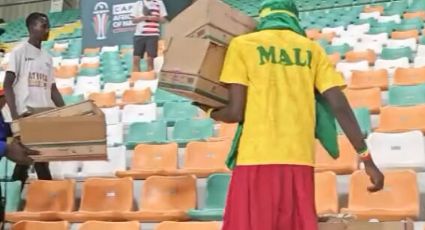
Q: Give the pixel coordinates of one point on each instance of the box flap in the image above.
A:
(213, 63)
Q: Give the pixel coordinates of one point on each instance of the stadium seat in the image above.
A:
(192, 130)
(341, 49)
(394, 44)
(112, 115)
(146, 76)
(67, 91)
(152, 160)
(326, 195)
(134, 96)
(399, 119)
(353, 30)
(88, 72)
(174, 111)
(205, 158)
(419, 62)
(342, 41)
(392, 65)
(65, 83)
(407, 95)
(103, 200)
(143, 84)
(417, 14)
(398, 150)
(13, 198)
(347, 162)
(347, 67)
(369, 98)
(70, 62)
(66, 71)
(405, 34)
(365, 15)
(399, 200)
(356, 56)
(396, 53)
(117, 88)
(225, 131)
(104, 100)
(168, 225)
(116, 162)
(87, 85)
(337, 30)
(115, 134)
(165, 198)
(374, 8)
(58, 196)
(369, 79)
(6, 168)
(38, 225)
(139, 113)
(376, 46)
(409, 76)
(142, 132)
(334, 58)
(380, 38)
(103, 225)
(162, 96)
(215, 200)
(64, 169)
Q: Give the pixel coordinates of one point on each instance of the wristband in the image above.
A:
(365, 155)
(209, 112)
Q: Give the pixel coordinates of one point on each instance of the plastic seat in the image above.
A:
(334, 58)
(165, 198)
(205, 158)
(103, 225)
(407, 95)
(118, 88)
(326, 196)
(217, 187)
(400, 119)
(355, 56)
(337, 30)
(6, 168)
(115, 134)
(341, 49)
(38, 225)
(162, 96)
(88, 72)
(339, 41)
(152, 160)
(419, 62)
(369, 79)
(64, 169)
(375, 8)
(347, 162)
(225, 131)
(192, 130)
(405, 34)
(398, 150)
(396, 53)
(103, 100)
(58, 196)
(369, 15)
(139, 113)
(381, 38)
(112, 115)
(67, 91)
(133, 96)
(358, 29)
(376, 46)
(143, 84)
(13, 198)
(87, 85)
(399, 200)
(392, 65)
(394, 44)
(116, 162)
(417, 14)
(103, 200)
(409, 76)
(147, 76)
(174, 111)
(168, 225)
(392, 18)
(66, 71)
(348, 67)
(65, 82)
(139, 133)
(369, 98)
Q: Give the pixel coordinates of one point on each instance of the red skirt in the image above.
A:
(271, 197)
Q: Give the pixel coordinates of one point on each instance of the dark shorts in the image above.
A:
(147, 44)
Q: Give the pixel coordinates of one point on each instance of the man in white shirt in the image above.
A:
(29, 84)
(147, 15)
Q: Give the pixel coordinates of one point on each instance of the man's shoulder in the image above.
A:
(19, 48)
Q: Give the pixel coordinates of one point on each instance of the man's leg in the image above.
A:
(139, 48)
(20, 173)
(42, 170)
(152, 50)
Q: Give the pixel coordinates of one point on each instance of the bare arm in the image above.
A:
(234, 111)
(9, 94)
(57, 97)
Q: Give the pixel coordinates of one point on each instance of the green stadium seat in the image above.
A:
(422, 40)
(161, 97)
(410, 24)
(363, 119)
(416, 5)
(341, 49)
(396, 8)
(407, 95)
(6, 169)
(72, 99)
(114, 77)
(192, 130)
(396, 53)
(142, 132)
(12, 191)
(174, 111)
(88, 72)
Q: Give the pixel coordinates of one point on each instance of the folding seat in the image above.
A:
(143, 84)
(147, 76)
(399, 119)
(393, 44)
(392, 18)
(341, 49)
(118, 88)
(338, 41)
(165, 198)
(205, 158)
(44, 200)
(419, 62)
(356, 56)
(326, 196)
(104, 100)
(114, 74)
(67, 71)
(409, 76)
(107, 49)
(112, 115)
(174, 111)
(396, 53)
(337, 30)
(65, 83)
(103, 200)
(103, 225)
(89, 72)
(133, 96)
(115, 134)
(369, 98)
(407, 34)
(379, 28)
(168, 225)
(225, 131)
(375, 8)
(334, 58)
(70, 62)
(376, 46)
(87, 85)
(116, 162)
(215, 200)
(64, 169)
(399, 200)
(139, 133)
(418, 14)
(38, 225)
(152, 160)
(67, 91)
(347, 162)
(192, 130)
(139, 113)
(392, 65)
(369, 15)
(398, 150)
(369, 79)
(348, 67)
(407, 95)
(90, 62)
(380, 37)
(357, 29)
(410, 24)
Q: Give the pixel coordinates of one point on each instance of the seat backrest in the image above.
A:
(135, 76)
(375, 8)
(326, 193)
(369, 78)
(210, 154)
(13, 198)
(179, 111)
(398, 119)
(139, 113)
(66, 91)
(116, 162)
(417, 14)
(38, 225)
(193, 129)
(101, 225)
(370, 98)
(396, 53)
(57, 196)
(167, 225)
(153, 132)
(107, 194)
(164, 193)
(409, 76)
(143, 84)
(227, 130)
(103, 99)
(407, 95)
(405, 34)
(347, 156)
(363, 118)
(133, 96)
(147, 157)
(217, 187)
(355, 56)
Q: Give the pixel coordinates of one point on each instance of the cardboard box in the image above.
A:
(402, 225)
(76, 132)
(210, 19)
(192, 68)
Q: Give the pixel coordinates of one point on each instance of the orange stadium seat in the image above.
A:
(400, 119)
(135, 76)
(325, 36)
(226, 131)
(409, 76)
(399, 200)
(150, 160)
(417, 14)
(103, 200)
(133, 96)
(370, 98)
(355, 56)
(205, 158)
(369, 79)
(376, 8)
(168, 225)
(334, 58)
(100, 225)
(67, 71)
(104, 100)
(58, 196)
(91, 50)
(312, 33)
(90, 65)
(326, 193)
(37, 225)
(405, 34)
(347, 162)
(66, 91)
(165, 199)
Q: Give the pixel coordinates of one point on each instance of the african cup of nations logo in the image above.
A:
(101, 21)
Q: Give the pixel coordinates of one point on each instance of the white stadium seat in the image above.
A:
(118, 88)
(351, 41)
(393, 18)
(419, 62)
(371, 45)
(381, 38)
(70, 62)
(399, 43)
(112, 115)
(64, 169)
(337, 30)
(115, 134)
(116, 162)
(144, 84)
(87, 85)
(353, 30)
(139, 113)
(392, 65)
(374, 15)
(347, 67)
(65, 82)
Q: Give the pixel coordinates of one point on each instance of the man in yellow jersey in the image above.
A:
(272, 75)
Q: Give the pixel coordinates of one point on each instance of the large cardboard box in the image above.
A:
(192, 68)
(76, 132)
(210, 19)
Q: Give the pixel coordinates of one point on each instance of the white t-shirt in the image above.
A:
(34, 77)
(148, 28)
